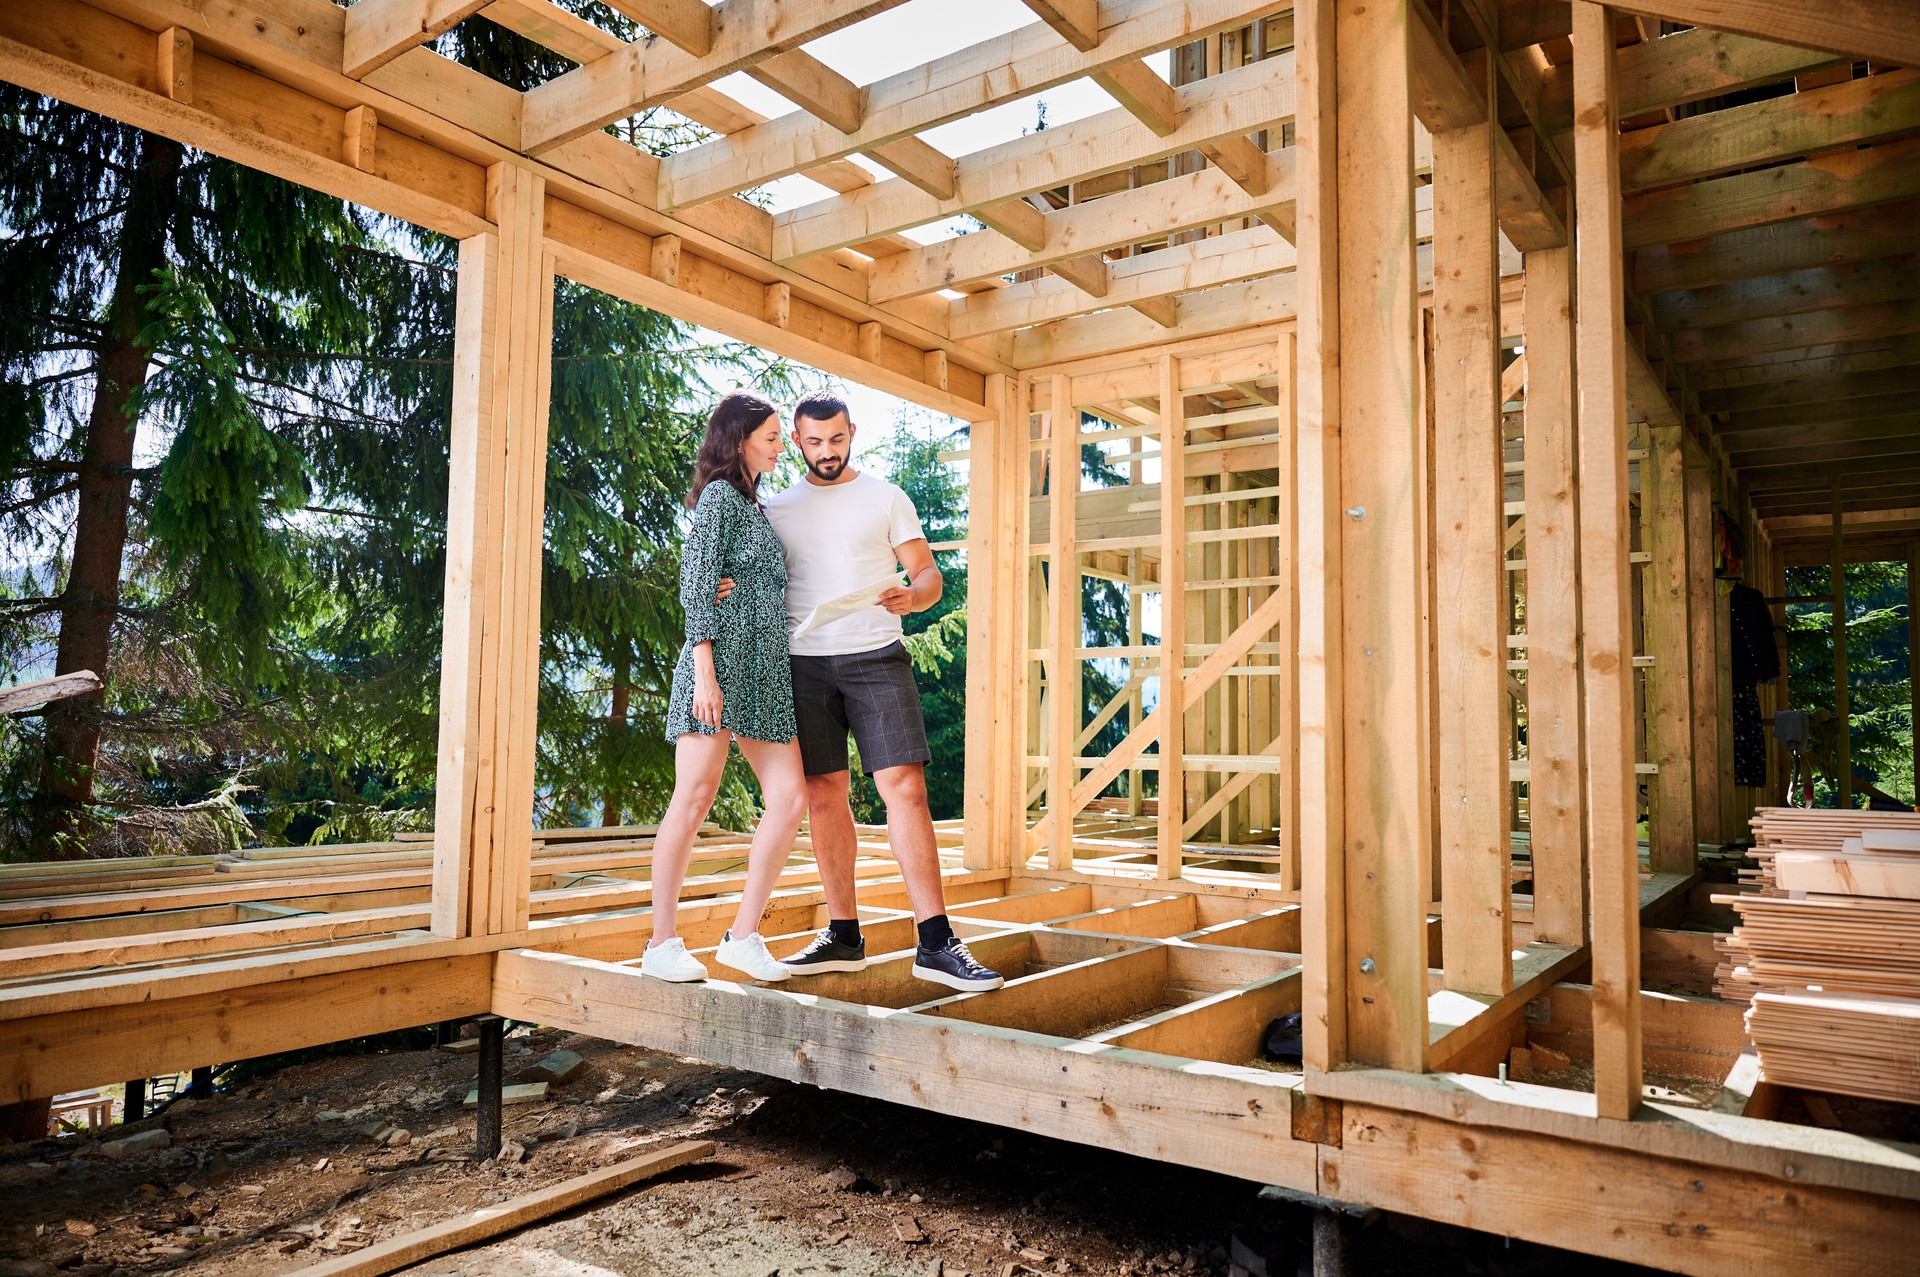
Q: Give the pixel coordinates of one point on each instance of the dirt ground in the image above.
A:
(282, 1172)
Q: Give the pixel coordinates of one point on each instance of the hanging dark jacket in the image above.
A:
(1756, 657)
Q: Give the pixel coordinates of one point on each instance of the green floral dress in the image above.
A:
(731, 537)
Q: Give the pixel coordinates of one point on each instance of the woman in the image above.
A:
(732, 684)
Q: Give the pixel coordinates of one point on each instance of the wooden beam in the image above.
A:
(496, 499)
(1685, 67)
(1556, 792)
(1612, 804)
(1807, 392)
(1793, 332)
(486, 1222)
(1881, 30)
(1852, 235)
(378, 31)
(175, 68)
(360, 138)
(1005, 68)
(686, 23)
(648, 73)
(1839, 359)
(1064, 622)
(1745, 428)
(1387, 790)
(1446, 96)
(1136, 86)
(1671, 835)
(1864, 283)
(1236, 103)
(814, 87)
(1822, 184)
(1842, 777)
(1088, 274)
(1703, 669)
(1849, 113)
(1470, 759)
(44, 691)
(997, 666)
(1174, 697)
(1076, 21)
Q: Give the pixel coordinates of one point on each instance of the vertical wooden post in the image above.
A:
(1913, 655)
(1286, 559)
(1363, 655)
(996, 632)
(1663, 516)
(1470, 636)
(1063, 682)
(1842, 706)
(1612, 839)
(1172, 807)
(1136, 637)
(1556, 795)
(1703, 667)
(496, 505)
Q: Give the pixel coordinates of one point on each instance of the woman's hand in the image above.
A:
(707, 701)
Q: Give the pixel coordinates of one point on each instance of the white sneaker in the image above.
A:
(669, 960)
(749, 954)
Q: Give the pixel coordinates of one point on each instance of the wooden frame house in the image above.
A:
(1438, 342)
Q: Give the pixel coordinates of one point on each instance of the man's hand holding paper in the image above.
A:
(853, 601)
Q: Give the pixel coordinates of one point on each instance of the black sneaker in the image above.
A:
(954, 967)
(827, 954)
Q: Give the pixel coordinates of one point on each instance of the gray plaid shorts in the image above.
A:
(870, 693)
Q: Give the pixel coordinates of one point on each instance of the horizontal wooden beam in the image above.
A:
(1822, 184)
(1681, 68)
(651, 72)
(1259, 96)
(1852, 112)
(1760, 446)
(1875, 30)
(1800, 243)
(1813, 390)
(1903, 403)
(1789, 332)
(1794, 293)
(1839, 359)
(687, 23)
(991, 73)
(378, 31)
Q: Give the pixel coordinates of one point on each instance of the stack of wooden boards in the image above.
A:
(1827, 952)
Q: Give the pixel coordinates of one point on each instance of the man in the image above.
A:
(842, 530)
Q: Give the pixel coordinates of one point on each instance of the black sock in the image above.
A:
(935, 932)
(845, 931)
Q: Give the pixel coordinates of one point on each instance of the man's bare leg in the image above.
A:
(830, 827)
(910, 835)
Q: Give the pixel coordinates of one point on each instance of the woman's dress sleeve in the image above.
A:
(702, 560)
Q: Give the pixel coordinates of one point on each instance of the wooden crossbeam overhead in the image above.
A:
(1903, 402)
(1231, 104)
(1824, 184)
(1886, 279)
(1816, 390)
(687, 23)
(1674, 70)
(1792, 332)
(1799, 243)
(378, 31)
(1850, 113)
(1006, 68)
(1880, 30)
(650, 72)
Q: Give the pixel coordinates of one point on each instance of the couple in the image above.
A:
(752, 569)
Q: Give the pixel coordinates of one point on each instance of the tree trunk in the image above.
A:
(610, 812)
(91, 600)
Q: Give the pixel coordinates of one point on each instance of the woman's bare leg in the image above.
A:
(783, 789)
(698, 760)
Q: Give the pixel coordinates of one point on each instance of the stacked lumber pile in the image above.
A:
(1827, 952)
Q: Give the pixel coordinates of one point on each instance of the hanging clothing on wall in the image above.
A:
(1756, 660)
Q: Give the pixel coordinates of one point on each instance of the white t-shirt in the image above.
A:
(839, 537)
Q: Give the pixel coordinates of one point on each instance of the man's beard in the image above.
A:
(827, 468)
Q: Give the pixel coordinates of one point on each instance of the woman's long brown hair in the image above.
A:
(734, 419)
